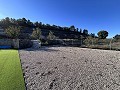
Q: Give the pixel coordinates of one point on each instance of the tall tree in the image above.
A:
(77, 29)
(51, 36)
(36, 34)
(13, 21)
(85, 32)
(23, 22)
(117, 37)
(80, 30)
(72, 28)
(102, 34)
(7, 20)
(5, 23)
(92, 35)
(29, 23)
(13, 31)
(66, 28)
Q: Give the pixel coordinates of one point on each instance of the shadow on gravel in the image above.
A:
(47, 49)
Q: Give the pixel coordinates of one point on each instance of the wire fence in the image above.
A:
(94, 43)
(109, 44)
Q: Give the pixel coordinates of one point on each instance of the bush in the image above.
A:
(51, 36)
(102, 34)
(103, 47)
(13, 31)
(54, 42)
(24, 36)
(25, 43)
(36, 34)
(117, 37)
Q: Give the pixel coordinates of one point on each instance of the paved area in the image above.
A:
(70, 68)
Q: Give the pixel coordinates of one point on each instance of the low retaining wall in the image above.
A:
(10, 42)
(66, 42)
(6, 42)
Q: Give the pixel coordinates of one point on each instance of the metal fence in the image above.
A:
(109, 44)
(95, 43)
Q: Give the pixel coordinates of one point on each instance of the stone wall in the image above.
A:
(6, 42)
(10, 42)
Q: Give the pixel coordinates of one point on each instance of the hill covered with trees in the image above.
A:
(25, 30)
(27, 27)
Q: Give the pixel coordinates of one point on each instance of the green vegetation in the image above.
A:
(117, 37)
(85, 32)
(25, 29)
(36, 34)
(102, 34)
(72, 28)
(23, 22)
(11, 77)
(51, 36)
(96, 43)
(13, 31)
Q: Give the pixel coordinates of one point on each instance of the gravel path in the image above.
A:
(70, 68)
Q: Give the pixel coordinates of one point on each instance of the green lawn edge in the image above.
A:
(11, 76)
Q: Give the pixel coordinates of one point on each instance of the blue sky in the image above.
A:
(94, 15)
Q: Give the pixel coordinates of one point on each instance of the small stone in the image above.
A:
(37, 73)
(55, 67)
(26, 67)
(38, 63)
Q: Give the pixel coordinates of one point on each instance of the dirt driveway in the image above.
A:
(70, 68)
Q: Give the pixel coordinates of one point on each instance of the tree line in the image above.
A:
(23, 22)
(9, 23)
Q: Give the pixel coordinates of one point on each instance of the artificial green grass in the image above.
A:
(11, 77)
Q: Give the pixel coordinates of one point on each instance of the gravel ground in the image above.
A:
(70, 68)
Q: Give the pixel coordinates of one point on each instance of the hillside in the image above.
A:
(27, 28)
(61, 34)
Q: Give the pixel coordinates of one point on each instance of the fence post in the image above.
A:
(111, 44)
(81, 40)
(16, 43)
(72, 41)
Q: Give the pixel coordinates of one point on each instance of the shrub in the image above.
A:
(102, 34)
(53, 42)
(51, 36)
(13, 31)
(24, 36)
(25, 43)
(36, 34)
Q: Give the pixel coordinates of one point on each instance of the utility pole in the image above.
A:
(72, 41)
